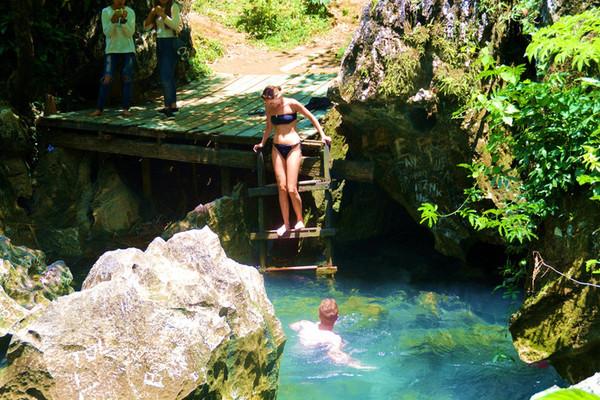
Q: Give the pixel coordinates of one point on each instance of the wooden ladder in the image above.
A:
(326, 232)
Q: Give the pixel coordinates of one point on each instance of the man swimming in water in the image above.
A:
(313, 334)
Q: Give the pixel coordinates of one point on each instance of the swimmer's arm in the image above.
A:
(339, 357)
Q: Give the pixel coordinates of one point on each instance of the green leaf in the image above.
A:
(570, 394)
(508, 120)
(429, 214)
(592, 266)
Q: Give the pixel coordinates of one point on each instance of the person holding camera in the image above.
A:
(165, 18)
(118, 25)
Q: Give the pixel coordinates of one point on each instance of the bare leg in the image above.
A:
(284, 204)
(293, 167)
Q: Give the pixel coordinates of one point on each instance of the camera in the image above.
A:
(119, 13)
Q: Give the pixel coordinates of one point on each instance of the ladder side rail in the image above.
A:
(260, 171)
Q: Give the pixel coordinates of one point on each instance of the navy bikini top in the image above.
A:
(283, 119)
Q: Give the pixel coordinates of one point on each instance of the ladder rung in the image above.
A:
(303, 186)
(293, 234)
(320, 269)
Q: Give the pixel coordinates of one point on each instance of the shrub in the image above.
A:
(260, 19)
(317, 7)
(207, 51)
(544, 138)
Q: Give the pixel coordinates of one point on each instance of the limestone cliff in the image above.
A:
(398, 86)
(560, 319)
(407, 70)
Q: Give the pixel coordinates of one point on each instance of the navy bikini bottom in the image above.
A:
(284, 149)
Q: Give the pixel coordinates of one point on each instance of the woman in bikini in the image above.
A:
(281, 113)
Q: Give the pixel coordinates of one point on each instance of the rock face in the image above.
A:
(407, 69)
(14, 137)
(66, 203)
(178, 321)
(26, 281)
(560, 319)
(224, 216)
(15, 177)
(398, 86)
(115, 208)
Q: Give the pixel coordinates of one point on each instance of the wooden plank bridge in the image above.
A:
(220, 118)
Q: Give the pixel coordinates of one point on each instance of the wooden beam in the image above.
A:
(319, 268)
(293, 234)
(342, 169)
(95, 127)
(163, 151)
(303, 186)
(327, 270)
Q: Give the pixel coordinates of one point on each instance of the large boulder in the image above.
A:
(177, 321)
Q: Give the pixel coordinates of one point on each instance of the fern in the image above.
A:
(574, 38)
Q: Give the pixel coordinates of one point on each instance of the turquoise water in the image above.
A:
(425, 342)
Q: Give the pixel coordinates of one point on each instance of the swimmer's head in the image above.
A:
(328, 312)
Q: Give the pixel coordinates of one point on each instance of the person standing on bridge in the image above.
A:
(165, 17)
(118, 25)
(281, 114)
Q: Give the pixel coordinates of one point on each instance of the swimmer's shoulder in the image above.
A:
(302, 325)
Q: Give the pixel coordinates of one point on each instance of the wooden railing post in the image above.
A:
(224, 174)
(260, 171)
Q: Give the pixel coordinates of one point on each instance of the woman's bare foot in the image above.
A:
(299, 225)
(282, 230)
(96, 113)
